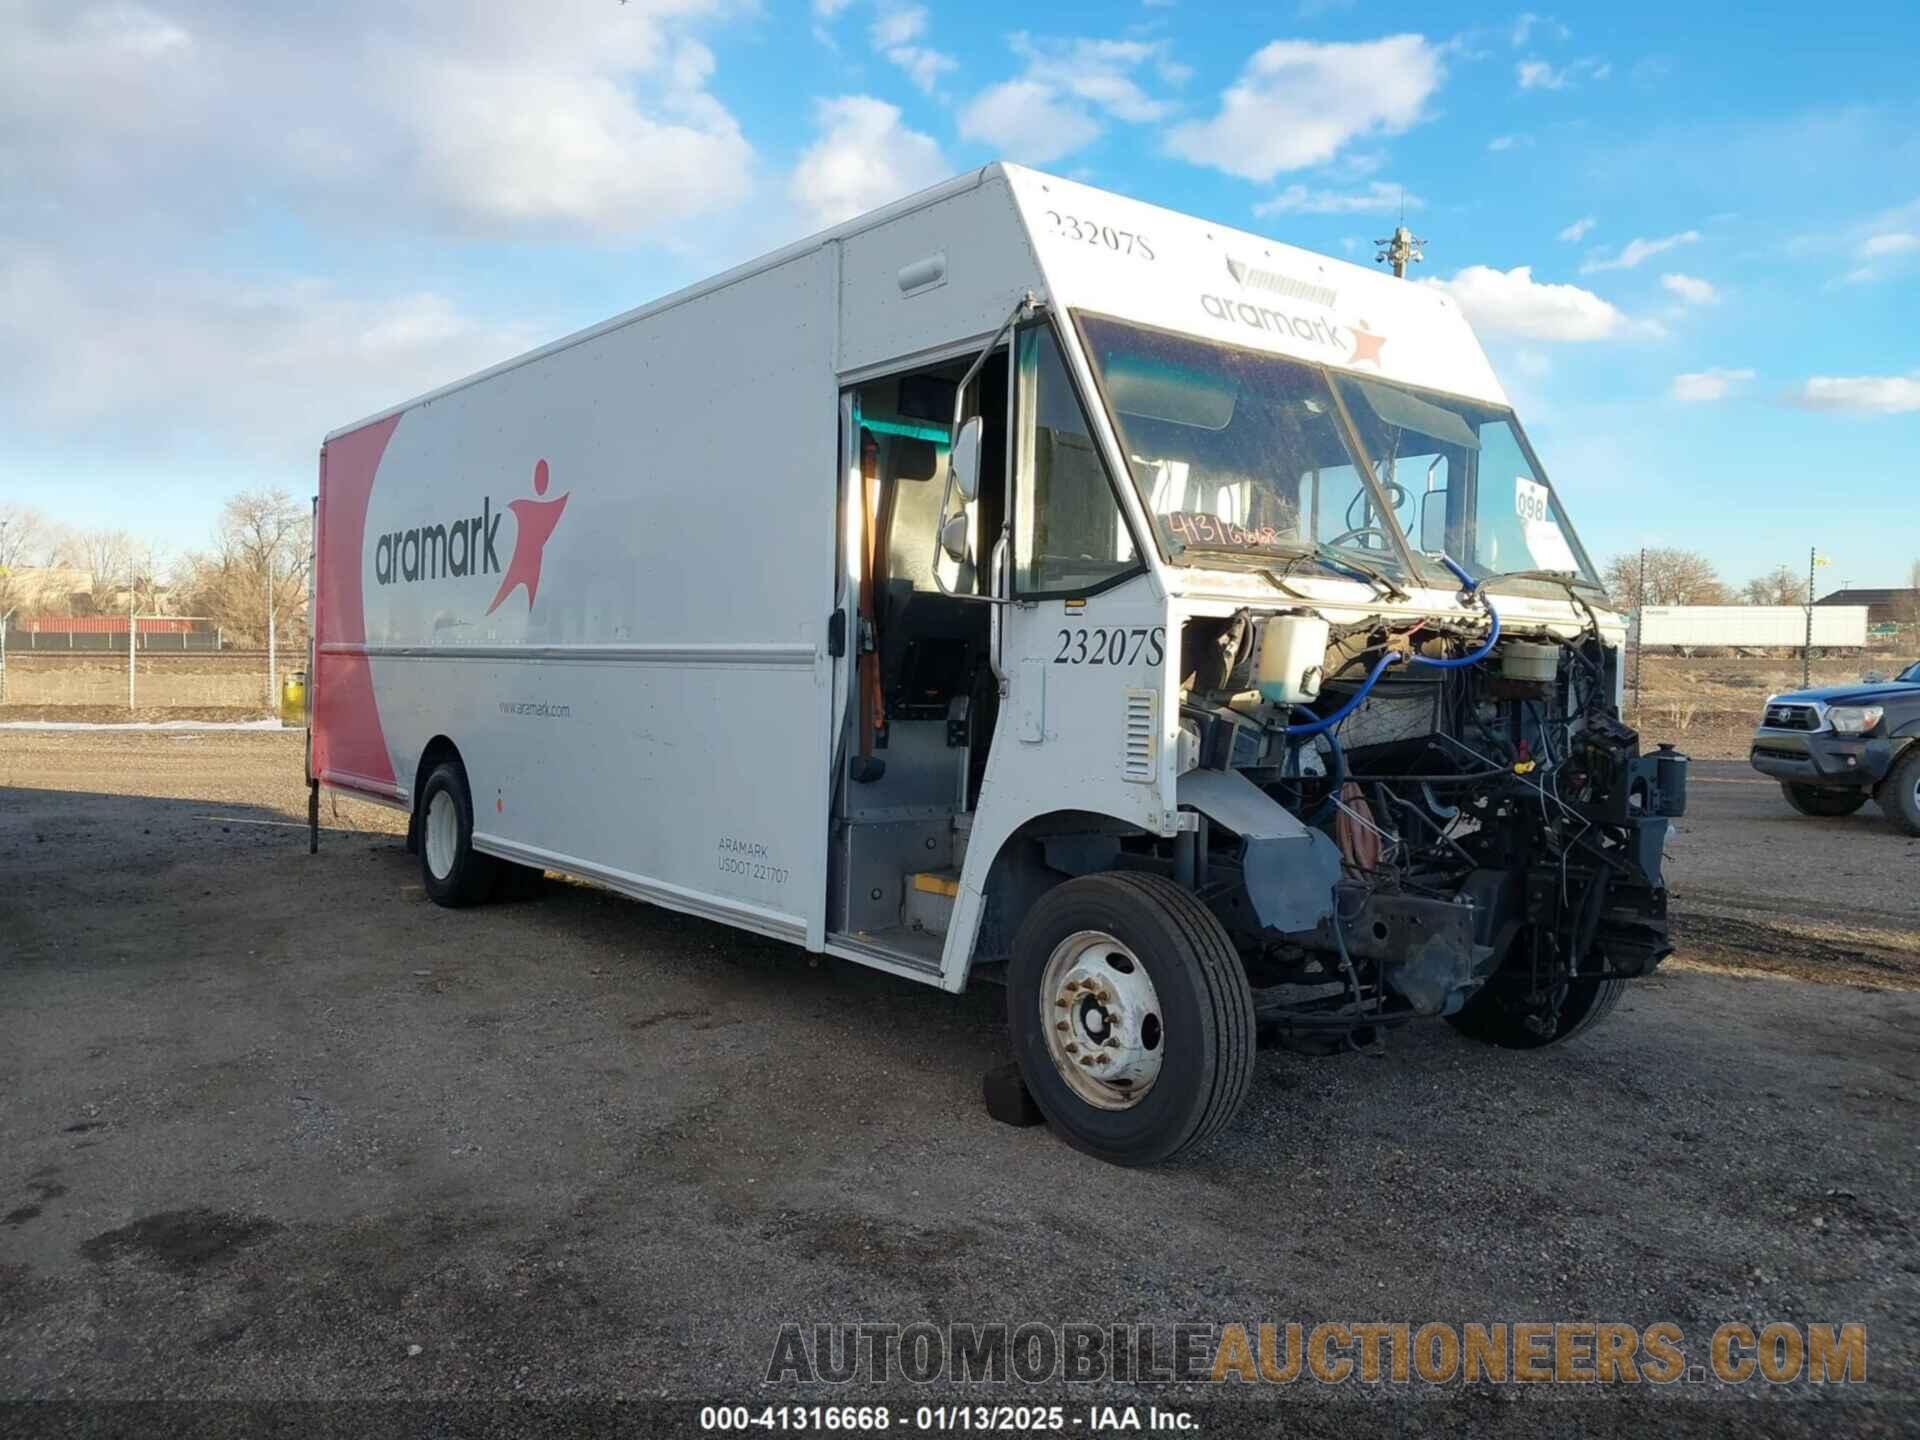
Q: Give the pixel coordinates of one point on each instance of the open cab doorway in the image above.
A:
(915, 684)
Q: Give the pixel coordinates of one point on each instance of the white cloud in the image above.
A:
(160, 361)
(895, 32)
(1691, 289)
(829, 9)
(898, 26)
(1056, 104)
(574, 113)
(1025, 120)
(1876, 247)
(1379, 198)
(1526, 22)
(1861, 394)
(1538, 74)
(864, 158)
(1705, 386)
(1513, 303)
(1297, 103)
(1508, 142)
(1577, 231)
(1638, 250)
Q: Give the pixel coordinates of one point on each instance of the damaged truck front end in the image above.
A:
(1457, 825)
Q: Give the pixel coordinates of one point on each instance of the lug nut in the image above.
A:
(1059, 1024)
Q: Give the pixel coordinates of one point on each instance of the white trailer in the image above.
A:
(1779, 627)
(1006, 582)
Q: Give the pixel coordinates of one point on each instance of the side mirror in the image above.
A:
(965, 462)
(953, 538)
(1433, 522)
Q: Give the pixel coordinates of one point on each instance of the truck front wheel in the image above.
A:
(1900, 792)
(1507, 1012)
(1130, 1017)
(455, 874)
(1820, 801)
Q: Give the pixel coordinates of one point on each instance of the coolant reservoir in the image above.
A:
(1291, 660)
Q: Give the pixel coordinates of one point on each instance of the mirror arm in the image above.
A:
(1028, 307)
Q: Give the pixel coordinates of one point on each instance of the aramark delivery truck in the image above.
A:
(1020, 580)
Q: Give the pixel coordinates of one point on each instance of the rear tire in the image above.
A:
(1900, 792)
(1821, 801)
(455, 874)
(1138, 981)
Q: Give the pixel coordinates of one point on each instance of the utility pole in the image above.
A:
(273, 690)
(1639, 629)
(1400, 250)
(1814, 560)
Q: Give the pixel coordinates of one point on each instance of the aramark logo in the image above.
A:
(468, 545)
(1365, 346)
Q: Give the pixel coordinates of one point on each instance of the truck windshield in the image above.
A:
(1463, 481)
(1234, 451)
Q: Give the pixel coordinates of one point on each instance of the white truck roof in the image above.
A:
(1091, 249)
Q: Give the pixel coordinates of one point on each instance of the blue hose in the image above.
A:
(1467, 582)
(1320, 727)
(1493, 634)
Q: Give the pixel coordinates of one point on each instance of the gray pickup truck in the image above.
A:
(1835, 748)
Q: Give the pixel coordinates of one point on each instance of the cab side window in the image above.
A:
(1069, 534)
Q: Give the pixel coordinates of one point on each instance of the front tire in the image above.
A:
(1900, 792)
(455, 874)
(1503, 1012)
(1130, 1017)
(1822, 802)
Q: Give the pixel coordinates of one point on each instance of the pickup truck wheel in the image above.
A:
(1130, 1017)
(1900, 792)
(454, 873)
(1820, 801)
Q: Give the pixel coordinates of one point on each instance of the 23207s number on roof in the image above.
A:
(1092, 232)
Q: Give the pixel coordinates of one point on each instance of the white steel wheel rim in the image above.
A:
(443, 834)
(1101, 1016)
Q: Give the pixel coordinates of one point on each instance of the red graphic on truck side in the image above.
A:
(535, 520)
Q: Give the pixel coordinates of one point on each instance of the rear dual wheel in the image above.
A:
(455, 874)
(1130, 1017)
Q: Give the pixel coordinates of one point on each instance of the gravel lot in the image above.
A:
(274, 1126)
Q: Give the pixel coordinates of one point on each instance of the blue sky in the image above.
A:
(1689, 234)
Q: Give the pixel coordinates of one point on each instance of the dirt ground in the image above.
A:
(273, 1126)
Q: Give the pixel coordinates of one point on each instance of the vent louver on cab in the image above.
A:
(1141, 737)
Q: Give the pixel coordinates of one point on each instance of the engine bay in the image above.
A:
(1490, 830)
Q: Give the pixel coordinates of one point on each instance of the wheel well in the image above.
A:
(438, 750)
(1046, 851)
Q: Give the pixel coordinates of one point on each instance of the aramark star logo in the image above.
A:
(535, 520)
(1366, 345)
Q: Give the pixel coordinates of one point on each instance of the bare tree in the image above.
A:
(106, 556)
(262, 546)
(23, 537)
(1782, 585)
(1672, 577)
